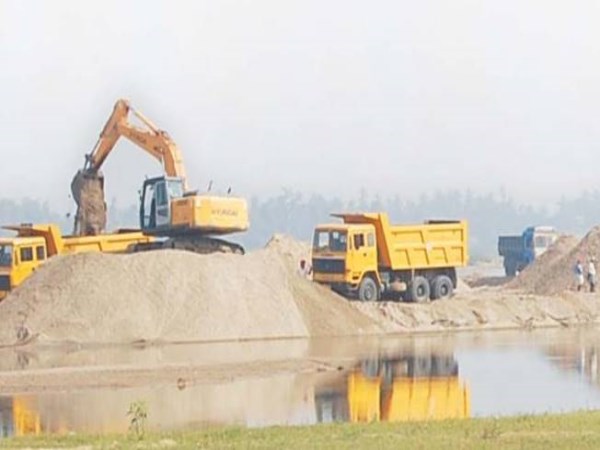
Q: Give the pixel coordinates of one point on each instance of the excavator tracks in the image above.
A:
(200, 245)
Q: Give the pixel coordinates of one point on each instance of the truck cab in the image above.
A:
(537, 240)
(343, 254)
(19, 258)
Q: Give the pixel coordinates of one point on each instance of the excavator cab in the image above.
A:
(155, 204)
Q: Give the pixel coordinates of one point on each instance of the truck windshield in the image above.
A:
(542, 241)
(328, 240)
(5, 255)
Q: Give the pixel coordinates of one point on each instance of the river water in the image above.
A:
(458, 375)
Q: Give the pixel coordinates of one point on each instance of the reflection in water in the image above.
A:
(385, 388)
(402, 388)
(582, 360)
(395, 379)
(18, 417)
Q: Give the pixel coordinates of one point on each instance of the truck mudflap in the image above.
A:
(5, 286)
(4, 283)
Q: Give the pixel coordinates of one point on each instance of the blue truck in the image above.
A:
(519, 251)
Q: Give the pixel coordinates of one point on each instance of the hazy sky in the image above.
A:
(324, 96)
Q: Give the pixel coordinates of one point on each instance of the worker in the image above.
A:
(591, 275)
(579, 280)
(304, 270)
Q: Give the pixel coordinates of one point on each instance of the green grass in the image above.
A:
(570, 431)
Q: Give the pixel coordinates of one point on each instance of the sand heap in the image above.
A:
(289, 247)
(552, 273)
(174, 296)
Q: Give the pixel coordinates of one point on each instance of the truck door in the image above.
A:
(364, 252)
(25, 263)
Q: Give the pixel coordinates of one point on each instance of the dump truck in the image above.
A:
(23, 254)
(368, 258)
(521, 250)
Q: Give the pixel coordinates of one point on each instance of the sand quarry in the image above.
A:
(174, 296)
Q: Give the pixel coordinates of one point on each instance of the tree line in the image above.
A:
(294, 213)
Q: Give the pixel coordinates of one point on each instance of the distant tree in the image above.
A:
(294, 213)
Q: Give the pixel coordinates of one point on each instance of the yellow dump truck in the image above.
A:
(368, 258)
(22, 254)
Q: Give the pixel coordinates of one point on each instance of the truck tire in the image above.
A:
(418, 290)
(441, 287)
(368, 290)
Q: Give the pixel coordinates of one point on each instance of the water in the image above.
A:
(393, 379)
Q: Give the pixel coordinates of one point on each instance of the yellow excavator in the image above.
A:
(187, 220)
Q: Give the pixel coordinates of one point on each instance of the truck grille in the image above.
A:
(4, 283)
(329, 265)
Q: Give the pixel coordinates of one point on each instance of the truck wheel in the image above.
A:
(441, 287)
(368, 291)
(418, 290)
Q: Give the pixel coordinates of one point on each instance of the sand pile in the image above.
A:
(174, 296)
(552, 273)
(290, 248)
(485, 309)
(88, 193)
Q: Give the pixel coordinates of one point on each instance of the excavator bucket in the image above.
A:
(87, 188)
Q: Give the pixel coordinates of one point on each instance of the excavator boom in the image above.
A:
(156, 142)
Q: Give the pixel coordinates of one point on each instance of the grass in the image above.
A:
(570, 431)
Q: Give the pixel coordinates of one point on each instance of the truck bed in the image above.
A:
(510, 245)
(58, 244)
(430, 245)
(107, 243)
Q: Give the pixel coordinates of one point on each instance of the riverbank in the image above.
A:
(564, 431)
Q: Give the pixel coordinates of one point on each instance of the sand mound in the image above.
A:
(174, 296)
(552, 273)
(289, 248)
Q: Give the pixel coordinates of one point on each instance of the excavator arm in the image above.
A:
(156, 142)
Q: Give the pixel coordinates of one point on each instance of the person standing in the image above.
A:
(579, 280)
(591, 275)
(304, 270)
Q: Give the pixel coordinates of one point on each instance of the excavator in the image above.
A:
(168, 209)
